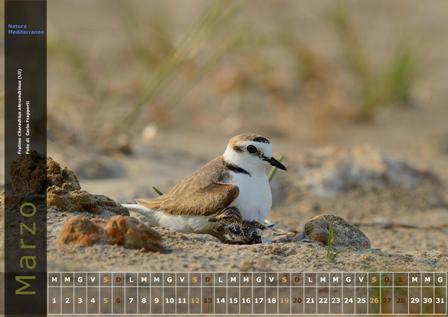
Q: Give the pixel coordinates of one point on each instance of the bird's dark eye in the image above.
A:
(251, 149)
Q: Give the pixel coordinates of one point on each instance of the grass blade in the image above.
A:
(156, 190)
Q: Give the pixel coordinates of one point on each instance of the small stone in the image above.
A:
(149, 133)
(344, 234)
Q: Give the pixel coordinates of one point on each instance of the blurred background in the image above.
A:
(159, 77)
(135, 86)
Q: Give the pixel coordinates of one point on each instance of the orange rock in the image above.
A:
(81, 231)
(118, 230)
(132, 234)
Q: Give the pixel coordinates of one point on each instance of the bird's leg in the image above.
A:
(229, 214)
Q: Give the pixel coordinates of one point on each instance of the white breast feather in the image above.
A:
(255, 199)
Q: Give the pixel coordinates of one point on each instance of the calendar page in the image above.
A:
(192, 157)
(247, 293)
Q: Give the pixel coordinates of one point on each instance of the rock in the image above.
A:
(333, 170)
(61, 184)
(65, 194)
(28, 174)
(61, 177)
(82, 201)
(344, 234)
(82, 231)
(132, 234)
(118, 230)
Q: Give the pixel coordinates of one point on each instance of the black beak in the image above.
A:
(275, 162)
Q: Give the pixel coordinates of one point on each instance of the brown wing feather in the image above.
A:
(203, 193)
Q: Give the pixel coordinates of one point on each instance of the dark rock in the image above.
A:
(61, 177)
(28, 174)
(65, 194)
(344, 234)
(82, 201)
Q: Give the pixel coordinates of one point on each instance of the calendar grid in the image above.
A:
(292, 293)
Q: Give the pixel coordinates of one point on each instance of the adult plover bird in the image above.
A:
(233, 185)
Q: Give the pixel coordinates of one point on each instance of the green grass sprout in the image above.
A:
(156, 190)
(331, 253)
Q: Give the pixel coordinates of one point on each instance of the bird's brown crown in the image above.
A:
(247, 137)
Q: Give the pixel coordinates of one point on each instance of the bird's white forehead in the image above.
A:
(265, 148)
